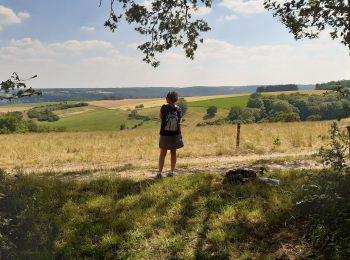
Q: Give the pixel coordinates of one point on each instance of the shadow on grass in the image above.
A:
(185, 217)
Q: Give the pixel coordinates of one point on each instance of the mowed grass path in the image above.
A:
(226, 103)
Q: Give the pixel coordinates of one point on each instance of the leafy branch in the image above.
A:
(307, 19)
(167, 23)
(15, 88)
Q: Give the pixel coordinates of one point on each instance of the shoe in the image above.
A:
(159, 176)
(170, 174)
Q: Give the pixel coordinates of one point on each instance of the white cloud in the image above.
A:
(228, 18)
(244, 6)
(80, 46)
(9, 17)
(87, 29)
(202, 11)
(23, 15)
(96, 63)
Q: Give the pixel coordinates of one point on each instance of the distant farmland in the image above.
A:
(98, 120)
(225, 103)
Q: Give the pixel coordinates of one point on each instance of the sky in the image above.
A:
(66, 45)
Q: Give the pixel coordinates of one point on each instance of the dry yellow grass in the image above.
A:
(13, 109)
(140, 145)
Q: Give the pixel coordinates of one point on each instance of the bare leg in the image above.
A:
(162, 156)
(173, 160)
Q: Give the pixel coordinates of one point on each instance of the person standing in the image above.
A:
(170, 132)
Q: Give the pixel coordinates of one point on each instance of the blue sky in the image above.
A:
(66, 44)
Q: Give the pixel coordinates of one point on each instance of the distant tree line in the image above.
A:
(14, 122)
(288, 108)
(45, 113)
(276, 88)
(333, 85)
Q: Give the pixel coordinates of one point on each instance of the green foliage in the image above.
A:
(182, 103)
(306, 19)
(15, 87)
(256, 102)
(135, 115)
(124, 219)
(277, 88)
(168, 24)
(314, 118)
(333, 85)
(220, 121)
(123, 127)
(323, 205)
(284, 117)
(244, 115)
(171, 24)
(45, 113)
(282, 106)
(212, 110)
(13, 122)
(295, 107)
(337, 151)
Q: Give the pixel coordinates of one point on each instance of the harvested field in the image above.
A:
(111, 104)
(13, 109)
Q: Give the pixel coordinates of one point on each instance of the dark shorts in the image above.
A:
(172, 142)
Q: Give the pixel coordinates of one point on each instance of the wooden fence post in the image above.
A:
(238, 137)
(348, 128)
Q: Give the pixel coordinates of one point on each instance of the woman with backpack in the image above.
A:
(170, 132)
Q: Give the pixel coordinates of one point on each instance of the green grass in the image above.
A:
(225, 103)
(185, 217)
(99, 120)
(193, 116)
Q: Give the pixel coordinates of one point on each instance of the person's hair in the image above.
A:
(172, 97)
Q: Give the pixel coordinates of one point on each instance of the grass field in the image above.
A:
(226, 103)
(95, 120)
(51, 210)
(96, 116)
(134, 146)
(185, 217)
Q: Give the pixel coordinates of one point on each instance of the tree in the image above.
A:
(255, 103)
(167, 24)
(285, 117)
(15, 87)
(245, 115)
(182, 103)
(283, 107)
(306, 19)
(212, 110)
(170, 23)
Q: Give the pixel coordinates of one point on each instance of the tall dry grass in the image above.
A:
(53, 149)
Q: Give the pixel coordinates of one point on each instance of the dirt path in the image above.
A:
(147, 169)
